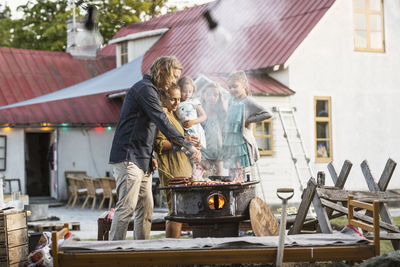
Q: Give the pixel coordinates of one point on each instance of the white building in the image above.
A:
(336, 62)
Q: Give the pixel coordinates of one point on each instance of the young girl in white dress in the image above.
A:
(190, 112)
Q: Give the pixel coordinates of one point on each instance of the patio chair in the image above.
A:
(76, 190)
(72, 174)
(108, 185)
(92, 191)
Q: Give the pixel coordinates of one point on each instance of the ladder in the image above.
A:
(296, 147)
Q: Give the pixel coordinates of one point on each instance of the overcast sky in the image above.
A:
(13, 4)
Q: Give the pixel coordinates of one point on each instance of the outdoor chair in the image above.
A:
(92, 191)
(72, 174)
(75, 185)
(108, 186)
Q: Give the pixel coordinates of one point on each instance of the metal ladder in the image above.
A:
(296, 147)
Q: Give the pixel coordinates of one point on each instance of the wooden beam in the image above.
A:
(359, 216)
(332, 172)
(387, 174)
(373, 186)
(336, 194)
(322, 216)
(339, 181)
(214, 256)
(306, 198)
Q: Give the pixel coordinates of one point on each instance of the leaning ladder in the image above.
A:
(292, 135)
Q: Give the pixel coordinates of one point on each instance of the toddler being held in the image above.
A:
(190, 112)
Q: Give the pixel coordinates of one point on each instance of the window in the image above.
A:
(323, 129)
(263, 135)
(3, 150)
(368, 25)
(124, 53)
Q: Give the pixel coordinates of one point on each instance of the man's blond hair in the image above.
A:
(163, 68)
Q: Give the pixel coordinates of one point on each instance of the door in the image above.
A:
(37, 163)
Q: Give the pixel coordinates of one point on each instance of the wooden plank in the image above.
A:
(17, 237)
(18, 254)
(332, 172)
(385, 236)
(15, 221)
(387, 174)
(215, 256)
(359, 216)
(336, 194)
(307, 197)
(339, 181)
(322, 216)
(344, 173)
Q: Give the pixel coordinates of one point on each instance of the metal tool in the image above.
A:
(285, 194)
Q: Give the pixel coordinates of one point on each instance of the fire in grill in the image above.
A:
(212, 209)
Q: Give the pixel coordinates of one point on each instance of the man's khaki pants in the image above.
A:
(134, 195)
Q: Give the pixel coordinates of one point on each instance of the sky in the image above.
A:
(13, 4)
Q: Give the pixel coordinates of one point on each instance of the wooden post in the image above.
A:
(322, 216)
(373, 186)
(306, 198)
(339, 181)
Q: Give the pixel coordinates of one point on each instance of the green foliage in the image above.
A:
(43, 25)
(6, 24)
(116, 14)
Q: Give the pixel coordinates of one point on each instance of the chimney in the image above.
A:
(82, 43)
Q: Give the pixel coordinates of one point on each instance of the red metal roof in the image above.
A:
(90, 109)
(107, 51)
(264, 33)
(259, 84)
(25, 74)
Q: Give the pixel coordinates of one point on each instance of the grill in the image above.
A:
(212, 210)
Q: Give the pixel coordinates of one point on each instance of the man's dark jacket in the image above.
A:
(140, 116)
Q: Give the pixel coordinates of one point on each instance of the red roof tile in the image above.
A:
(264, 33)
(90, 109)
(25, 74)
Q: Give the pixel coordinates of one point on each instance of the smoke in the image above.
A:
(233, 30)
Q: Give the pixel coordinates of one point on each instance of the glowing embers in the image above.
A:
(216, 201)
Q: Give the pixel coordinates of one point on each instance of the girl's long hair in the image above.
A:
(240, 76)
(220, 107)
(186, 80)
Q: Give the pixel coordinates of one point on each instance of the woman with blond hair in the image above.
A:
(132, 147)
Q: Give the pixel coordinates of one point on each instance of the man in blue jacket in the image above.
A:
(132, 147)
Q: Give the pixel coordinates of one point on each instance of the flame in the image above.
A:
(221, 202)
(216, 202)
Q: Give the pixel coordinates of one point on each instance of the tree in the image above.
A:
(6, 25)
(116, 14)
(43, 25)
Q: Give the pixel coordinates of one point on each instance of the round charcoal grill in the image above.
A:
(212, 210)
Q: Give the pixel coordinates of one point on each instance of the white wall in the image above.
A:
(364, 87)
(276, 170)
(15, 167)
(83, 150)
